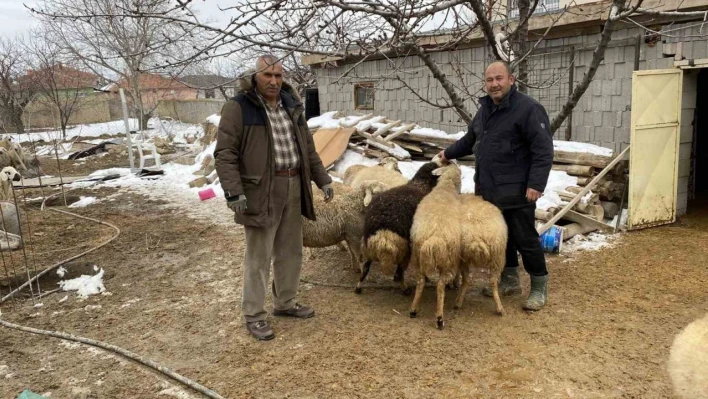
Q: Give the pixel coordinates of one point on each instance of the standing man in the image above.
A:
(511, 138)
(265, 159)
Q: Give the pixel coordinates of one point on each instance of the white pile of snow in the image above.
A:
(574, 146)
(85, 285)
(84, 201)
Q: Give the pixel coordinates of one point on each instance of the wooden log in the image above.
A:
(593, 198)
(582, 158)
(356, 121)
(573, 229)
(611, 209)
(369, 152)
(583, 181)
(544, 215)
(575, 170)
(375, 139)
(444, 142)
(585, 190)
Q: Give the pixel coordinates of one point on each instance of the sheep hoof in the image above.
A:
(413, 314)
(441, 323)
(357, 290)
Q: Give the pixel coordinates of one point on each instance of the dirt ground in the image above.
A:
(175, 285)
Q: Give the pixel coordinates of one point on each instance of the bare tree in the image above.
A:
(15, 93)
(59, 86)
(353, 32)
(116, 46)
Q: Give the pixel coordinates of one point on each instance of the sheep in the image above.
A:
(484, 238)
(435, 238)
(386, 171)
(387, 225)
(688, 361)
(451, 246)
(342, 219)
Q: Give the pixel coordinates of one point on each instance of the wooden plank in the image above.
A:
(585, 220)
(385, 128)
(581, 158)
(330, 146)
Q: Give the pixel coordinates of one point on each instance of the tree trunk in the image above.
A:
(523, 44)
(144, 120)
(16, 119)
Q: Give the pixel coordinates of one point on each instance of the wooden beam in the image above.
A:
(583, 192)
(585, 220)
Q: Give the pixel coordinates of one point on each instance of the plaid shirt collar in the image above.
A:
(266, 104)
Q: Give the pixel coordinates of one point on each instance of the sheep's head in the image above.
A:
(370, 188)
(390, 163)
(437, 159)
(450, 174)
(10, 173)
(424, 177)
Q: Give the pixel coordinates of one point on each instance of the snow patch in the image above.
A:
(83, 202)
(574, 146)
(85, 285)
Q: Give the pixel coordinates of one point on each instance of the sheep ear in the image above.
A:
(367, 197)
(438, 171)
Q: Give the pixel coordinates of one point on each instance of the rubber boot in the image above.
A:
(539, 293)
(509, 283)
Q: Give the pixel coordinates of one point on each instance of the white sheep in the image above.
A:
(688, 361)
(484, 238)
(386, 172)
(341, 219)
(435, 237)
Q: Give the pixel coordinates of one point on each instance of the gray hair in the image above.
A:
(268, 59)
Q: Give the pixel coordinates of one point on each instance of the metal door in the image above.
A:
(653, 164)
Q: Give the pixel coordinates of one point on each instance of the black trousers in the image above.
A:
(523, 238)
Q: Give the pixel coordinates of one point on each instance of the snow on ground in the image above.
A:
(85, 285)
(177, 131)
(590, 242)
(574, 146)
(84, 201)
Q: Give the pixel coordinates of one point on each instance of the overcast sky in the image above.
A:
(15, 18)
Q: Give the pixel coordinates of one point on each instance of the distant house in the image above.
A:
(154, 87)
(211, 86)
(61, 77)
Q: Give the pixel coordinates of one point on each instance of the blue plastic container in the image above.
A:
(552, 239)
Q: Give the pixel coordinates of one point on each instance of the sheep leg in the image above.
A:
(398, 275)
(364, 273)
(494, 283)
(463, 288)
(342, 247)
(401, 268)
(441, 303)
(355, 252)
(418, 295)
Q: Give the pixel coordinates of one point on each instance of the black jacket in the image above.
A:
(513, 148)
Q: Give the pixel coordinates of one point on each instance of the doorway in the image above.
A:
(698, 179)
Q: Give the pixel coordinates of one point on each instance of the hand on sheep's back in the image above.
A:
(533, 195)
(328, 192)
(238, 205)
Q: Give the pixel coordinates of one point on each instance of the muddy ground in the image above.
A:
(175, 286)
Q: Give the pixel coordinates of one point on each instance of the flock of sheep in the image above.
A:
(427, 223)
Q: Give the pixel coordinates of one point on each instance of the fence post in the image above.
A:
(127, 128)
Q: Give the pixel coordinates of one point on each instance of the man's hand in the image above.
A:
(237, 205)
(328, 192)
(441, 156)
(533, 195)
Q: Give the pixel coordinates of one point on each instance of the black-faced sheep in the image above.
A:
(341, 219)
(688, 361)
(435, 237)
(387, 224)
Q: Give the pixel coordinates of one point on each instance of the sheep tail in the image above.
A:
(388, 248)
(437, 254)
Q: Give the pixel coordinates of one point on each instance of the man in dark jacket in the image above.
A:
(265, 159)
(511, 138)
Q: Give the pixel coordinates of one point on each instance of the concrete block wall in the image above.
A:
(602, 116)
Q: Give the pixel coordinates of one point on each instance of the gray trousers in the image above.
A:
(281, 241)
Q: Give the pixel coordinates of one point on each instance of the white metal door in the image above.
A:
(653, 164)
